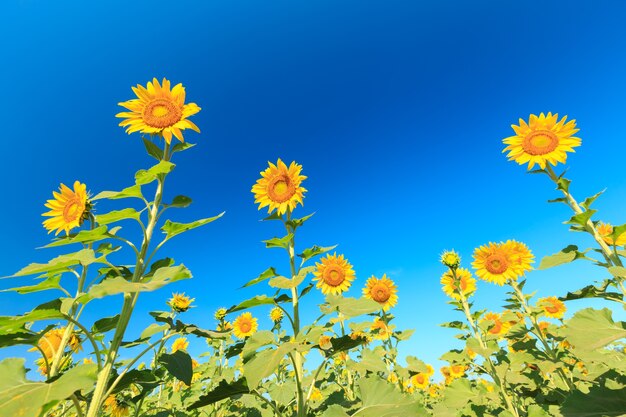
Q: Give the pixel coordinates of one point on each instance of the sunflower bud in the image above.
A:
(276, 314)
(451, 259)
(220, 314)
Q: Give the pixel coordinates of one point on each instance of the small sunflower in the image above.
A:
(457, 371)
(430, 371)
(220, 314)
(324, 342)
(180, 302)
(245, 325)
(552, 307)
(361, 336)
(276, 314)
(279, 187)
(180, 344)
(464, 283)
(380, 330)
(159, 110)
(606, 230)
(316, 395)
(51, 341)
(451, 259)
(68, 209)
(115, 407)
(499, 327)
(420, 381)
(382, 290)
(434, 391)
(392, 378)
(543, 139)
(499, 262)
(334, 274)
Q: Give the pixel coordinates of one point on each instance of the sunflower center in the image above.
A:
(380, 293)
(245, 327)
(73, 210)
(281, 188)
(552, 309)
(540, 142)
(161, 113)
(334, 276)
(497, 327)
(463, 284)
(496, 263)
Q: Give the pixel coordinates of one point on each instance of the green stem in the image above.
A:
(86, 332)
(278, 413)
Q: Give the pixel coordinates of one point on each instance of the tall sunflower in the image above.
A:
(245, 325)
(159, 110)
(463, 283)
(499, 262)
(382, 290)
(68, 209)
(279, 187)
(333, 274)
(543, 139)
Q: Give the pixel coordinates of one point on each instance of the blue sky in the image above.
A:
(395, 109)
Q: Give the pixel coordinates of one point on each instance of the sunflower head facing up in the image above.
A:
(69, 208)
(420, 381)
(180, 302)
(334, 274)
(451, 259)
(159, 110)
(382, 290)
(245, 325)
(500, 262)
(276, 314)
(544, 139)
(459, 282)
(279, 187)
(552, 307)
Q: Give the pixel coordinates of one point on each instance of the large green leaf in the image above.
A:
(264, 363)
(117, 215)
(267, 274)
(21, 397)
(51, 282)
(459, 393)
(51, 310)
(147, 176)
(60, 263)
(381, 399)
(315, 251)
(119, 285)
(84, 236)
(178, 364)
(591, 329)
(287, 283)
(130, 192)
(349, 307)
(257, 340)
(566, 255)
(599, 402)
(258, 300)
(279, 242)
(153, 149)
(222, 391)
(172, 229)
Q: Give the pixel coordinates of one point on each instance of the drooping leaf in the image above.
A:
(182, 146)
(172, 229)
(180, 201)
(178, 364)
(51, 310)
(276, 242)
(105, 324)
(153, 149)
(258, 301)
(221, 392)
(581, 218)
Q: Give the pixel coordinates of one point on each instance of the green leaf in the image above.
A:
(267, 274)
(172, 229)
(221, 392)
(372, 361)
(315, 251)
(276, 242)
(345, 343)
(349, 307)
(455, 325)
(117, 215)
(264, 363)
(335, 410)
(287, 283)
(21, 397)
(589, 200)
(147, 176)
(381, 399)
(581, 218)
(566, 255)
(50, 310)
(258, 301)
(591, 329)
(153, 149)
(563, 184)
(182, 146)
(51, 282)
(60, 263)
(600, 401)
(592, 291)
(130, 192)
(119, 285)
(458, 393)
(84, 236)
(295, 223)
(178, 364)
(257, 340)
(105, 324)
(618, 271)
(180, 201)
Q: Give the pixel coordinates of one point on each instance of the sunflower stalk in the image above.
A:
(130, 299)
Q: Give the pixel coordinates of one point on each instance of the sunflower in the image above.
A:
(276, 314)
(606, 230)
(51, 341)
(279, 187)
(180, 302)
(430, 371)
(382, 290)
(457, 371)
(498, 327)
(245, 325)
(180, 344)
(115, 407)
(463, 283)
(392, 378)
(543, 139)
(220, 314)
(380, 330)
(434, 391)
(159, 110)
(451, 259)
(499, 262)
(552, 307)
(316, 395)
(325, 343)
(333, 274)
(68, 209)
(420, 380)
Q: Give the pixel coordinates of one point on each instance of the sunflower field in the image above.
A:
(525, 360)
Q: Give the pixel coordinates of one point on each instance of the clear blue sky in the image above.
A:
(395, 109)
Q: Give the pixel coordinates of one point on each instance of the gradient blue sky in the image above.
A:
(395, 109)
